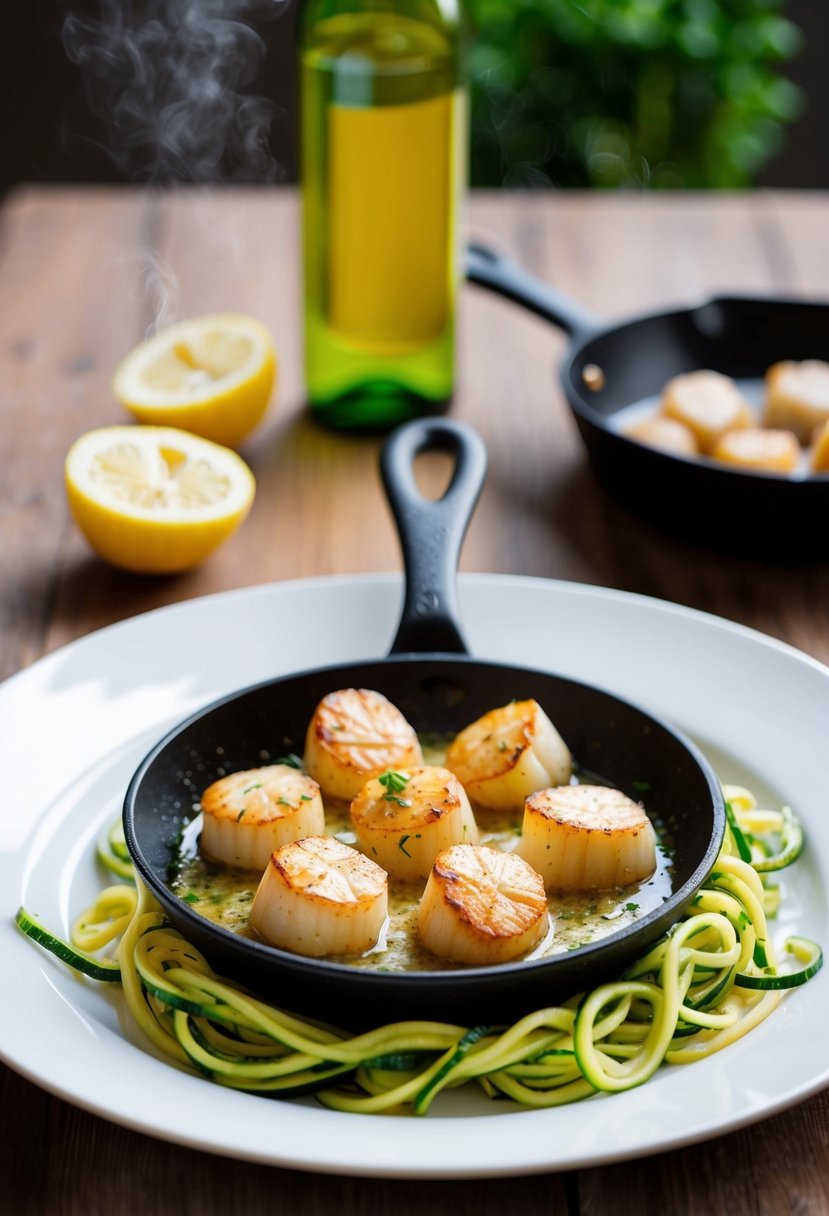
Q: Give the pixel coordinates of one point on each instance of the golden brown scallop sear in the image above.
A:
(708, 403)
(666, 434)
(356, 734)
(819, 456)
(759, 449)
(587, 837)
(319, 897)
(797, 397)
(402, 819)
(248, 814)
(482, 906)
(507, 754)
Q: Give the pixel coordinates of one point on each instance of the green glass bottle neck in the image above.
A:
(441, 14)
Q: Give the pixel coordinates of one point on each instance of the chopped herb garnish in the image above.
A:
(401, 844)
(395, 783)
(257, 785)
(191, 897)
(641, 787)
(305, 798)
(631, 907)
(285, 802)
(239, 816)
(293, 760)
(176, 846)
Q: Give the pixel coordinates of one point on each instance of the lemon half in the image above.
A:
(154, 499)
(211, 375)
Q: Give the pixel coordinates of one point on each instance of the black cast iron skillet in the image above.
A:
(438, 686)
(610, 367)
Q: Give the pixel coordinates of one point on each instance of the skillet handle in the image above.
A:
(505, 277)
(431, 532)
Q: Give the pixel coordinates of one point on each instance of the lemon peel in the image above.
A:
(155, 500)
(212, 375)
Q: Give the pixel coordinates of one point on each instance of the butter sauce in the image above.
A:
(224, 894)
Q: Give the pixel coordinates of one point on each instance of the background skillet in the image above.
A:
(762, 514)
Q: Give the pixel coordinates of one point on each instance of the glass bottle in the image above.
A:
(383, 154)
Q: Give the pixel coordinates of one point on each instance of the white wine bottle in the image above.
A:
(383, 159)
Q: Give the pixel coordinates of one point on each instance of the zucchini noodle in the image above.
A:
(708, 982)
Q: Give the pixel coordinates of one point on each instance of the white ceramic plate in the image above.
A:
(76, 724)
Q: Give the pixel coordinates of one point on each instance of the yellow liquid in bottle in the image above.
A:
(382, 153)
(388, 265)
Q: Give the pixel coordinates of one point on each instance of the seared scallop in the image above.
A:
(760, 449)
(403, 819)
(666, 434)
(482, 906)
(819, 458)
(249, 814)
(708, 403)
(320, 897)
(508, 754)
(356, 734)
(587, 837)
(797, 396)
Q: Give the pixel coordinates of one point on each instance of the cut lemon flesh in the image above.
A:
(154, 499)
(211, 375)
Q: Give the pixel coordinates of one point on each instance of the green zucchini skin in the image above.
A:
(79, 960)
(810, 954)
(611, 1039)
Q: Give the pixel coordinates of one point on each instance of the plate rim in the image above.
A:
(385, 1168)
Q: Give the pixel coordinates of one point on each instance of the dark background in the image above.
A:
(805, 159)
(50, 134)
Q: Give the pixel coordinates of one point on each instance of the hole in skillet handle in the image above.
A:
(432, 531)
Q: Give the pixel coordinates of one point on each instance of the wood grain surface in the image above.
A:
(84, 274)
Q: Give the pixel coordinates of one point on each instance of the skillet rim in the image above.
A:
(579, 342)
(649, 927)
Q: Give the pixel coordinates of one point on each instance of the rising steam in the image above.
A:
(173, 81)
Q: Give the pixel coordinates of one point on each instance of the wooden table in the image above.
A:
(83, 273)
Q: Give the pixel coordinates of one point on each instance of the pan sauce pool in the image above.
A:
(223, 894)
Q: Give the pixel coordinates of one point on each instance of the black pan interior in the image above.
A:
(607, 736)
(739, 337)
(774, 517)
(608, 367)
